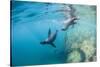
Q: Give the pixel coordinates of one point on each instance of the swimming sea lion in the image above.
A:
(51, 38)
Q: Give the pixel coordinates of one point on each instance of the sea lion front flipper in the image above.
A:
(74, 24)
(53, 45)
(49, 32)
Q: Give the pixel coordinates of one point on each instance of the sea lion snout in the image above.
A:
(43, 42)
(63, 29)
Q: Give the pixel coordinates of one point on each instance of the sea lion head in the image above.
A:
(63, 29)
(43, 42)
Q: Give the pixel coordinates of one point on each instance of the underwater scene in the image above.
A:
(52, 33)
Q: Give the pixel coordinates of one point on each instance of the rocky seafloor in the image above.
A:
(80, 41)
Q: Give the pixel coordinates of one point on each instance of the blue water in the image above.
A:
(30, 24)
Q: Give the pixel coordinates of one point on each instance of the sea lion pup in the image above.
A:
(70, 21)
(51, 38)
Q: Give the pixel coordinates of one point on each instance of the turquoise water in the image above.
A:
(30, 24)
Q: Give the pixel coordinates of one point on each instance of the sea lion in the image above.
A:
(68, 22)
(51, 38)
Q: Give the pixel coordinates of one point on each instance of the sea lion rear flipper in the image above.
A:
(53, 45)
(49, 32)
